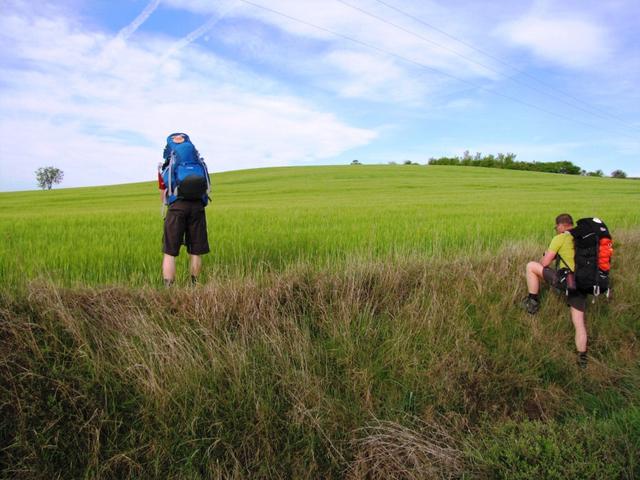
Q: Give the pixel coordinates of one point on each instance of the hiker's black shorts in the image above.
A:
(577, 300)
(185, 223)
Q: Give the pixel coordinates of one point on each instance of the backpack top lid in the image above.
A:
(178, 138)
(180, 144)
(590, 229)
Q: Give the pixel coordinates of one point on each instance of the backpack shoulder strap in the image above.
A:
(559, 257)
(172, 158)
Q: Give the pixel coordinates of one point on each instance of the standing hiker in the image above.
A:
(562, 251)
(184, 183)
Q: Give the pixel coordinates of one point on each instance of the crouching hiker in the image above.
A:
(184, 183)
(561, 251)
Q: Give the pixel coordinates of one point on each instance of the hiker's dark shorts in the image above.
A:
(577, 300)
(185, 223)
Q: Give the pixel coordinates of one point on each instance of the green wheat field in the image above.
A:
(356, 322)
(269, 219)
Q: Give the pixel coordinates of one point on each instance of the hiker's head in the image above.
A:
(564, 222)
(178, 138)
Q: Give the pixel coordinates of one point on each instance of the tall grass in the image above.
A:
(266, 220)
(353, 322)
(425, 368)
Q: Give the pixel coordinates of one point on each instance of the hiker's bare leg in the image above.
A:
(534, 275)
(195, 262)
(169, 267)
(579, 323)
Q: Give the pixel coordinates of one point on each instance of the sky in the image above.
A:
(94, 87)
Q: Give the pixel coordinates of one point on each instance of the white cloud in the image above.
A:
(362, 75)
(102, 114)
(569, 42)
(421, 47)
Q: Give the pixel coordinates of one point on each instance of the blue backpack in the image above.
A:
(184, 172)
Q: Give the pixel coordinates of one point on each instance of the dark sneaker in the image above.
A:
(582, 359)
(531, 305)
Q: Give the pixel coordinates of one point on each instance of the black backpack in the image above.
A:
(593, 247)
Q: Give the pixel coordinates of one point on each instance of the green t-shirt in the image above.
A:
(562, 245)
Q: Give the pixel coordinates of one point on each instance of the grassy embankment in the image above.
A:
(357, 323)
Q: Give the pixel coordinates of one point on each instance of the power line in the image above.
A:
(598, 112)
(590, 110)
(421, 65)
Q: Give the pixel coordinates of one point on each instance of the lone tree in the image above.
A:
(47, 176)
(618, 174)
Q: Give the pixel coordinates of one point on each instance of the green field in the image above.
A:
(358, 322)
(268, 219)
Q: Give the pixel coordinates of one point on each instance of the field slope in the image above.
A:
(357, 322)
(268, 219)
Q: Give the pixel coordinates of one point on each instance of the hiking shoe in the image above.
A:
(531, 305)
(582, 360)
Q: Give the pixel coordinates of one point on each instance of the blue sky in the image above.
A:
(94, 87)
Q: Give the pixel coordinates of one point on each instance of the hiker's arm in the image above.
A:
(161, 184)
(166, 156)
(162, 187)
(549, 256)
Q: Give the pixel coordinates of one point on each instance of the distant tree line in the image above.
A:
(507, 161)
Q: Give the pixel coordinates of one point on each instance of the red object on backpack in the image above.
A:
(605, 250)
(161, 184)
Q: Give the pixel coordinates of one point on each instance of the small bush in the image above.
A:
(585, 448)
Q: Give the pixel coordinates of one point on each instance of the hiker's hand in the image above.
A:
(548, 258)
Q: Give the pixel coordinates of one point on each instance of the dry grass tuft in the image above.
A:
(389, 450)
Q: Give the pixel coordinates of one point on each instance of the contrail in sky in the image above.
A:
(198, 32)
(139, 20)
